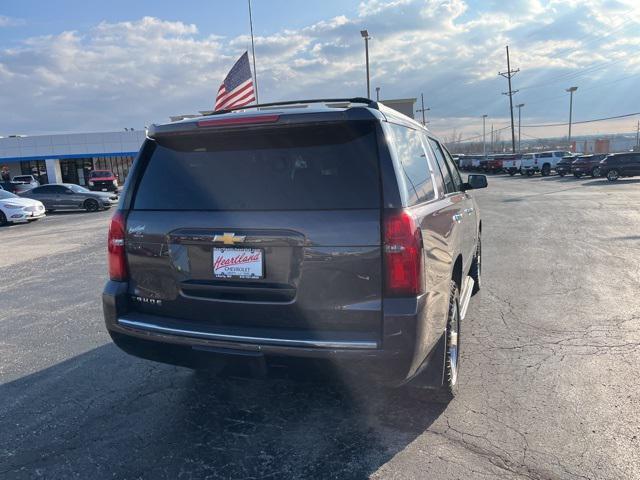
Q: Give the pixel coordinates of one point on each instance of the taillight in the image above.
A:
(402, 255)
(221, 122)
(117, 260)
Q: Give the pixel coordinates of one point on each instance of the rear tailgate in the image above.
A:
(272, 231)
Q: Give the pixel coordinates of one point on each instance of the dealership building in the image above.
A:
(70, 157)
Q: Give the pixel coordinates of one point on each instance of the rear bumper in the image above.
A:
(178, 342)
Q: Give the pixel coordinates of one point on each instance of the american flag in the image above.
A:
(237, 88)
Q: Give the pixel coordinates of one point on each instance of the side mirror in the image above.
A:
(475, 182)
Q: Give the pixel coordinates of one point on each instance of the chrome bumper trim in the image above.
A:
(360, 345)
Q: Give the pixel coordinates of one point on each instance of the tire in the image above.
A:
(613, 175)
(476, 269)
(546, 170)
(452, 353)
(577, 175)
(512, 173)
(562, 174)
(529, 173)
(595, 172)
(91, 205)
(3, 219)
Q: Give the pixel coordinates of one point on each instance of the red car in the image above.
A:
(103, 181)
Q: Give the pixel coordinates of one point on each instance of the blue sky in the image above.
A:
(65, 67)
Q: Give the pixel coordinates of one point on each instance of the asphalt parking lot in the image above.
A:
(550, 385)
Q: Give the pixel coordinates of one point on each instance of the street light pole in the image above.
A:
(484, 142)
(365, 35)
(520, 105)
(377, 94)
(570, 90)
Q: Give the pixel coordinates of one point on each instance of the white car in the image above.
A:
(15, 209)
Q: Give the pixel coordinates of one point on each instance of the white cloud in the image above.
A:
(10, 22)
(136, 72)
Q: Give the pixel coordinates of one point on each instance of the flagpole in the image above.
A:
(253, 53)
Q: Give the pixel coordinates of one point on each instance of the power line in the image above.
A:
(594, 67)
(583, 121)
(476, 136)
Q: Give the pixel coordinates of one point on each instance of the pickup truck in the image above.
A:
(511, 164)
(543, 162)
(103, 181)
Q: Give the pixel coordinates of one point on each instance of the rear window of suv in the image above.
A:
(311, 167)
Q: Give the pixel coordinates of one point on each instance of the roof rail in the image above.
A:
(367, 101)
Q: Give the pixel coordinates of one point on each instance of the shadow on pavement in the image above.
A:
(603, 181)
(104, 414)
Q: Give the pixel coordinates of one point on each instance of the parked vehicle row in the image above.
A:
(33, 204)
(612, 166)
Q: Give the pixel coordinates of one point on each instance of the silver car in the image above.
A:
(68, 196)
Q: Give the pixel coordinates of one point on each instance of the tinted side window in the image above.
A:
(453, 168)
(442, 165)
(546, 155)
(413, 162)
(47, 189)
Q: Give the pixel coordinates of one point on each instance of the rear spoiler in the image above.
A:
(237, 119)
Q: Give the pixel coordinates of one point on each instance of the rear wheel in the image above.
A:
(3, 219)
(512, 172)
(577, 175)
(562, 174)
(613, 175)
(546, 170)
(529, 173)
(91, 205)
(452, 357)
(595, 172)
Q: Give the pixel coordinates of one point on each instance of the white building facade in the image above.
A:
(68, 158)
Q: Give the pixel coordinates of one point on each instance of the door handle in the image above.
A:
(457, 218)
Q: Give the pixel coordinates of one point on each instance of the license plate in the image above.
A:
(238, 263)
(104, 189)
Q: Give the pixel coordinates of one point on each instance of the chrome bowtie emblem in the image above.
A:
(229, 238)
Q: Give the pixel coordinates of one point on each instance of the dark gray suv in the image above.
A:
(337, 231)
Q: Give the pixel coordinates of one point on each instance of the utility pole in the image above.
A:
(253, 54)
(519, 107)
(570, 90)
(508, 74)
(365, 35)
(377, 94)
(423, 110)
(492, 138)
(484, 142)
